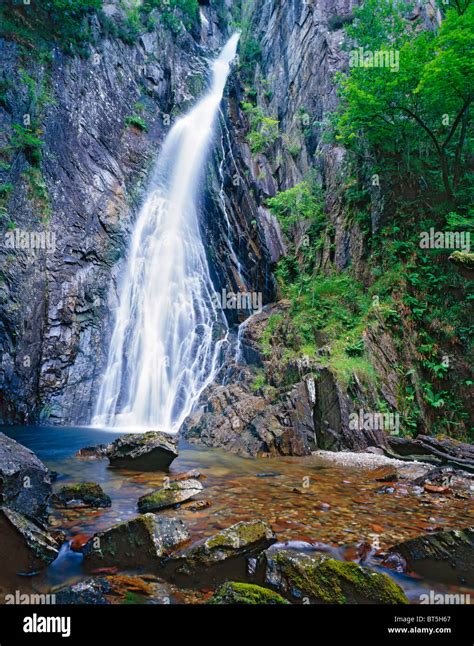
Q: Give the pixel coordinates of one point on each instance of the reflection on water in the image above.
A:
(305, 499)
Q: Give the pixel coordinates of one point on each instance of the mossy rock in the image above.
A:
(88, 494)
(464, 261)
(235, 542)
(321, 579)
(175, 493)
(140, 542)
(247, 594)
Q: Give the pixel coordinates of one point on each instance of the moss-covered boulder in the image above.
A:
(320, 579)
(141, 542)
(152, 451)
(234, 592)
(174, 493)
(25, 547)
(464, 261)
(442, 556)
(83, 494)
(233, 544)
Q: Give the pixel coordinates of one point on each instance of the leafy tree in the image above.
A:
(424, 103)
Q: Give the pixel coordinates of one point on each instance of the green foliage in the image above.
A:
(264, 131)
(175, 13)
(399, 112)
(137, 121)
(27, 140)
(61, 21)
(303, 202)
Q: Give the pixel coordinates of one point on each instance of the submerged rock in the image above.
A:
(176, 492)
(321, 579)
(90, 591)
(88, 494)
(443, 556)
(25, 485)
(240, 540)
(105, 590)
(140, 542)
(98, 452)
(24, 547)
(152, 451)
(233, 592)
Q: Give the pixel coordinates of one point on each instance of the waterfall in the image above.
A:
(169, 331)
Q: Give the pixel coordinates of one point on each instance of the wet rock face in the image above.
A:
(25, 484)
(56, 306)
(152, 451)
(443, 556)
(320, 579)
(174, 493)
(141, 542)
(25, 547)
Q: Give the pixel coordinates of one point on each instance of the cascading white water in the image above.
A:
(168, 332)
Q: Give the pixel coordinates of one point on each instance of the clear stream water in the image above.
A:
(339, 509)
(169, 331)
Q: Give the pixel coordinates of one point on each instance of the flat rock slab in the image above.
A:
(177, 492)
(321, 579)
(152, 451)
(83, 494)
(442, 556)
(140, 542)
(25, 484)
(24, 546)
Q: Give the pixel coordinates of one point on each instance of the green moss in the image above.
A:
(246, 593)
(330, 581)
(89, 493)
(463, 259)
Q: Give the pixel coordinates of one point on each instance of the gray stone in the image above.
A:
(25, 484)
(25, 548)
(140, 542)
(152, 451)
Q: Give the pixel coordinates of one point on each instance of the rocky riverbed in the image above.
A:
(215, 527)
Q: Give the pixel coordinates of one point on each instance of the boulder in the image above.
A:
(152, 451)
(243, 422)
(25, 547)
(25, 485)
(233, 544)
(83, 494)
(233, 592)
(442, 556)
(321, 579)
(176, 492)
(140, 542)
